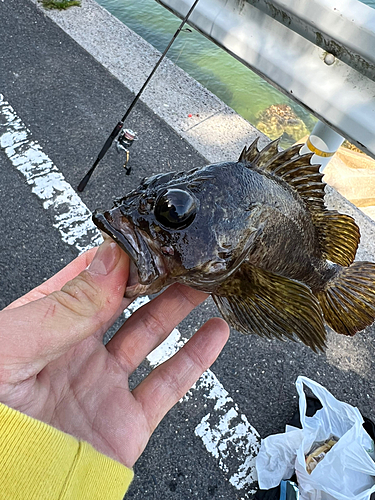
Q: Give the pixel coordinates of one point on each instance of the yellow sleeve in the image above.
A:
(39, 462)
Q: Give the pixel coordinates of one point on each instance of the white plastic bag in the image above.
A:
(347, 470)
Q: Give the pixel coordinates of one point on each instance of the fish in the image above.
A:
(257, 236)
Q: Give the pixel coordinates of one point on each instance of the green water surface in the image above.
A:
(239, 87)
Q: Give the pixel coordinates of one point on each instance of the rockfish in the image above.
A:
(257, 236)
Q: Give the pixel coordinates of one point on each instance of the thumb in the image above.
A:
(46, 328)
(96, 292)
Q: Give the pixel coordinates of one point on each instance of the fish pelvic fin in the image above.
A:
(253, 300)
(348, 300)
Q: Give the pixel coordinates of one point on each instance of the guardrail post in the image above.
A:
(323, 142)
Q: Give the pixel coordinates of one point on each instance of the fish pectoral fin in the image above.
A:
(256, 301)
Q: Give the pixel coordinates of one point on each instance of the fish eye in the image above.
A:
(175, 208)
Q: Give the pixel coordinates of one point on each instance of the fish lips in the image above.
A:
(118, 227)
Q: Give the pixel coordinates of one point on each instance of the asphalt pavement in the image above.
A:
(65, 103)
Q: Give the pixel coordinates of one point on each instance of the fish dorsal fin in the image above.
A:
(338, 234)
(257, 157)
(291, 167)
(249, 154)
(253, 300)
(305, 178)
(282, 157)
(269, 157)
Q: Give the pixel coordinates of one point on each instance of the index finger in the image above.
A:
(152, 323)
(57, 281)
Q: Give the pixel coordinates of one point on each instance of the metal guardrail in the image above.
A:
(321, 53)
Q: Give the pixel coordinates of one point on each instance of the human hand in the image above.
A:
(54, 366)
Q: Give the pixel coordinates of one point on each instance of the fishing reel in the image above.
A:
(123, 143)
(127, 136)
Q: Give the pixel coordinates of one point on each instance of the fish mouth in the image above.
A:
(147, 272)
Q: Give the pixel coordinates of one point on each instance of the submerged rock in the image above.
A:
(280, 120)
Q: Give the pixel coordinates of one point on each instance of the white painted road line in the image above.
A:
(225, 432)
(71, 216)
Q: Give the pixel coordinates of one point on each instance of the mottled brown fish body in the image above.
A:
(285, 240)
(257, 236)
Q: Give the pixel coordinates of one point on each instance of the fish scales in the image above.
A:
(256, 235)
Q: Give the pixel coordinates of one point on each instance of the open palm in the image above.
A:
(54, 366)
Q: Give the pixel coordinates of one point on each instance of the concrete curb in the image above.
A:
(172, 94)
(214, 130)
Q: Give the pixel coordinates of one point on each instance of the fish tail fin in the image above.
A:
(348, 300)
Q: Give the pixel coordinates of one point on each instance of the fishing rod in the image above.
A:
(120, 124)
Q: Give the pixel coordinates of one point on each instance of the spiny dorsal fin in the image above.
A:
(256, 301)
(269, 158)
(338, 234)
(249, 154)
(259, 158)
(292, 168)
(282, 157)
(305, 178)
(267, 153)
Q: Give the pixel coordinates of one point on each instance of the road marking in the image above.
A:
(71, 216)
(225, 432)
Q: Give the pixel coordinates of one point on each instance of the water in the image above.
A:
(239, 87)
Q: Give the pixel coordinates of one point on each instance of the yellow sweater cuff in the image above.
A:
(40, 462)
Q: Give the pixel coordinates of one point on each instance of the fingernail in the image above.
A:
(105, 258)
